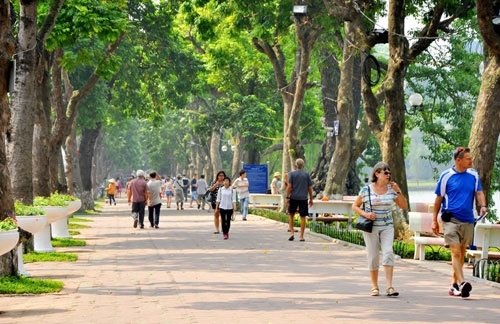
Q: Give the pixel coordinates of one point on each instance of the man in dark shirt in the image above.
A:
(298, 189)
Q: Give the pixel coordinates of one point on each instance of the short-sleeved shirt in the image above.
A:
(300, 181)
(458, 190)
(139, 187)
(381, 205)
(242, 191)
(154, 190)
(201, 187)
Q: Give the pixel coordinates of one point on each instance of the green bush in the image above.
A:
(8, 224)
(26, 210)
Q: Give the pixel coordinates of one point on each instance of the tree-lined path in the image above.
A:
(182, 273)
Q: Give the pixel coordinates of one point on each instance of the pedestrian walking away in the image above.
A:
(194, 194)
(169, 191)
(457, 190)
(179, 192)
(379, 198)
(155, 187)
(298, 189)
(201, 190)
(112, 191)
(185, 186)
(138, 195)
(226, 205)
(241, 184)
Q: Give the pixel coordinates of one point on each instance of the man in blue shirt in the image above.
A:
(456, 192)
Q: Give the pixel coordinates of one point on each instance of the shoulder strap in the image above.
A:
(369, 199)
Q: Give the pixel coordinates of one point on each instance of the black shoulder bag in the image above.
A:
(364, 223)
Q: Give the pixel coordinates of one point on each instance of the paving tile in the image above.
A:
(181, 273)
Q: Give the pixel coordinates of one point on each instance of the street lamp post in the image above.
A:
(415, 101)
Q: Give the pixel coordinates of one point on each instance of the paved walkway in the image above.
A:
(182, 273)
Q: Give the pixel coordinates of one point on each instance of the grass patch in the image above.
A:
(67, 242)
(87, 212)
(79, 220)
(72, 233)
(49, 257)
(77, 226)
(22, 285)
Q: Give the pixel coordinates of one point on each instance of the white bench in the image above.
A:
(337, 208)
(421, 223)
(486, 236)
(265, 200)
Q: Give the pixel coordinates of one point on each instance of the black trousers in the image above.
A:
(154, 214)
(225, 215)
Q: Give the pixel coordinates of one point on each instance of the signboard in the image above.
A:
(258, 177)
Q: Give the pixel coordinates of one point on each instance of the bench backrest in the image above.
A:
(421, 222)
(264, 199)
(493, 236)
(422, 207)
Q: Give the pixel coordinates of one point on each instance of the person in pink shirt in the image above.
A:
(138, 195)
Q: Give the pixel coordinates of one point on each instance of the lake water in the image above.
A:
(428, 196)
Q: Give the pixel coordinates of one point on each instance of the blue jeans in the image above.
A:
(244, 207)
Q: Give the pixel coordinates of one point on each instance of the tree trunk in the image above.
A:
(330, 79)
(7, 48)
(41, 133)
(215, 144)
(391, 140)
(237, 165)
(73, 179)
(485, 129)
(87, 146)
(339, 165)
(24, 99)
(307, 35)
(484, 133)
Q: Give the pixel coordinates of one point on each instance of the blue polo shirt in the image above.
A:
(458, 190)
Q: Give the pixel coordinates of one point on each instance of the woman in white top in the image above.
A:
(226, 205)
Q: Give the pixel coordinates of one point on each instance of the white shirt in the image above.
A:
(241, 186)
(154, 189)
(226, 198)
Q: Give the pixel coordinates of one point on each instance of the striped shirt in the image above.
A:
(382, 205)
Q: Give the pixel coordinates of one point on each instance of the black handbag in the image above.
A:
(364, 223)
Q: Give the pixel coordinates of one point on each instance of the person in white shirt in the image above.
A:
(155, 187)
(241, 184)
(201, 189)
(226, 205)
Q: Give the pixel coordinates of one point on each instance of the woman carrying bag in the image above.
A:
(379, 198)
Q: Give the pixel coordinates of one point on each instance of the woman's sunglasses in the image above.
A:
(386, 172)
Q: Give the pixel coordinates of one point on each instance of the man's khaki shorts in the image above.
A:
(456, 232)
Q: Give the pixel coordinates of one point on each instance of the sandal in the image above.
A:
(391, 292)
(375, 292)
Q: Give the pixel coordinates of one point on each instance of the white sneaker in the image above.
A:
(454, 290)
